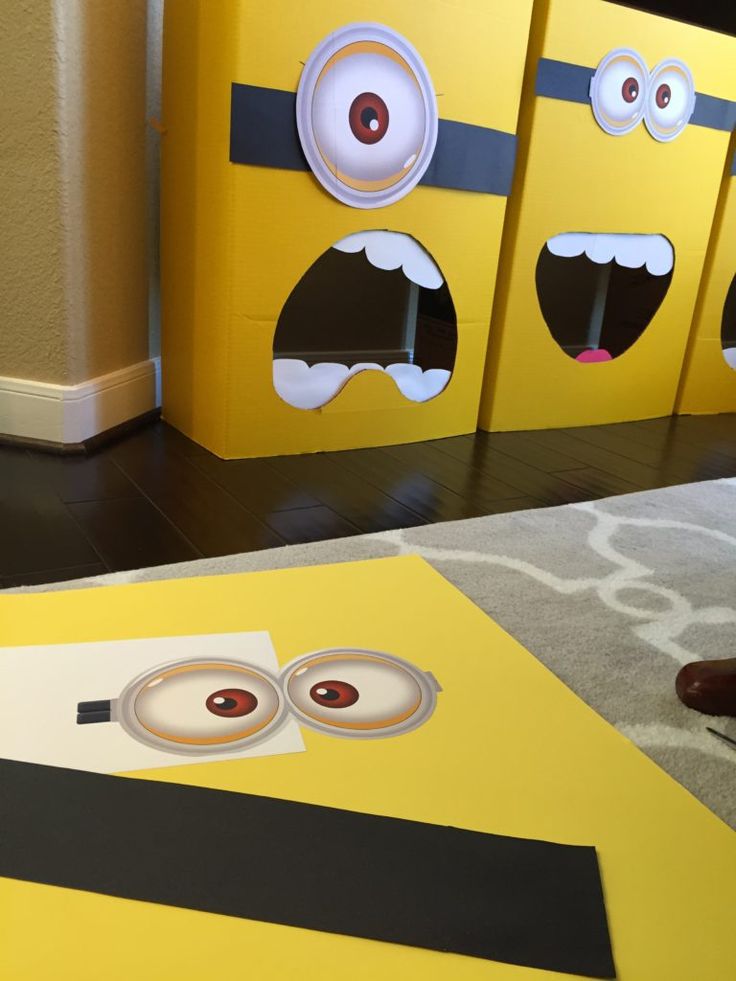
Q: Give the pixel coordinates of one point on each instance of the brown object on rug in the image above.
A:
(708, 686)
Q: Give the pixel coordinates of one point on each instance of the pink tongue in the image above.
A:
(591, 357)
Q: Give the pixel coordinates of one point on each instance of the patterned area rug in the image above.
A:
(613, 596)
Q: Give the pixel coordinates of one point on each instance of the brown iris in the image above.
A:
(630, 90)
(368, 117)
(231, 702)
(334, 694)
(663, 96)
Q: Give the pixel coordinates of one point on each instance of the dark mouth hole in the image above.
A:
(596, 307)
(728, 326)
(345, 310)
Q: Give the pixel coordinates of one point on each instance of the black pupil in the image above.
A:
(329, 694)
(225, 703)
(633, 91)
(367, 116)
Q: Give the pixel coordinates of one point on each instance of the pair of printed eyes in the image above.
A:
(623, 93)
(367, 114)
(211, 704)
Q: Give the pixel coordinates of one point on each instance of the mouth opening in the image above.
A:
(598, 293)
(374, 301)
(728, 326)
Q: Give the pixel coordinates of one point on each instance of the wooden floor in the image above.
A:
(156, 497)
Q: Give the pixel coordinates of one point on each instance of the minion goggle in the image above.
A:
(197, 706)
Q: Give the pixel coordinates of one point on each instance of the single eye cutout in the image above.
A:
(618, 91)
(671, 100)
(198, 706)
(364, 694)
(366, 115)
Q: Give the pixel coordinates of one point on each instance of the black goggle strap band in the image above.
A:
(516, 900)
(263, 133)
(571, 83)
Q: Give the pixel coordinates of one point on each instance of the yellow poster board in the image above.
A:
(239, 237)
(508, 749)
(600, 175)
(708, 382)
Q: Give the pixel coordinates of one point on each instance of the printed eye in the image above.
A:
(618, 91)
(671, 100)
(366, 115)
(206, 704)
(360, 693)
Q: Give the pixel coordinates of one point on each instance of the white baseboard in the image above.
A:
(74, 413)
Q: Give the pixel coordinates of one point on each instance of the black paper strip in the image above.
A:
(561, 80)
(516, 900)
(571, 83)
(733, 165)
(466, 158)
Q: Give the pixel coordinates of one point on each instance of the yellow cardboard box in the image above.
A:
(615, 161)
(708, 382)
(244, 219)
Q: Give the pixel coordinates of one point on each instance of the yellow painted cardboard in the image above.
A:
(236, 239)
(573, 177)
(708, 382)
(509, 749)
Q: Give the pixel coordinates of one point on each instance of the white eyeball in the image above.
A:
(359, 693)
(618, 91)
(201, 706)
(670, 101)
(366, 115)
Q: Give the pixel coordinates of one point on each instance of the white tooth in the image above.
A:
(661, 255)
(290, 367)
(600, 248)
(418, 385)
(403, 370)
(309, 388)
(568, 244)
(729, 353)
(365, 366)
(391, 250)
(631, 251)
(330, 368)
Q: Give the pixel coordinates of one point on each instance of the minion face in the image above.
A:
(625, 133)
(363, 195)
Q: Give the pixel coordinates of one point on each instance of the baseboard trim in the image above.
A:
(53, 416)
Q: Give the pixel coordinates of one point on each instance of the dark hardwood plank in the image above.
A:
(717, 433)
(643, 476)
(598, 483)
(403, 482)
(54, 575)
(85, 478)
(519, 447)
(704, 461)
(36, 530)
(256, 485)
(132, 534)
(548, 489)
(311, 525)
(480, 489)
(362, 504)
(206, 514)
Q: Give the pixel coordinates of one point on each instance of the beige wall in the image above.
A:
(73, 249)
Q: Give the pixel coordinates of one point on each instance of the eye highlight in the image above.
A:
(366, 115)
(618, 91)
(359, 693)
(671, 100)
(204, 704)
